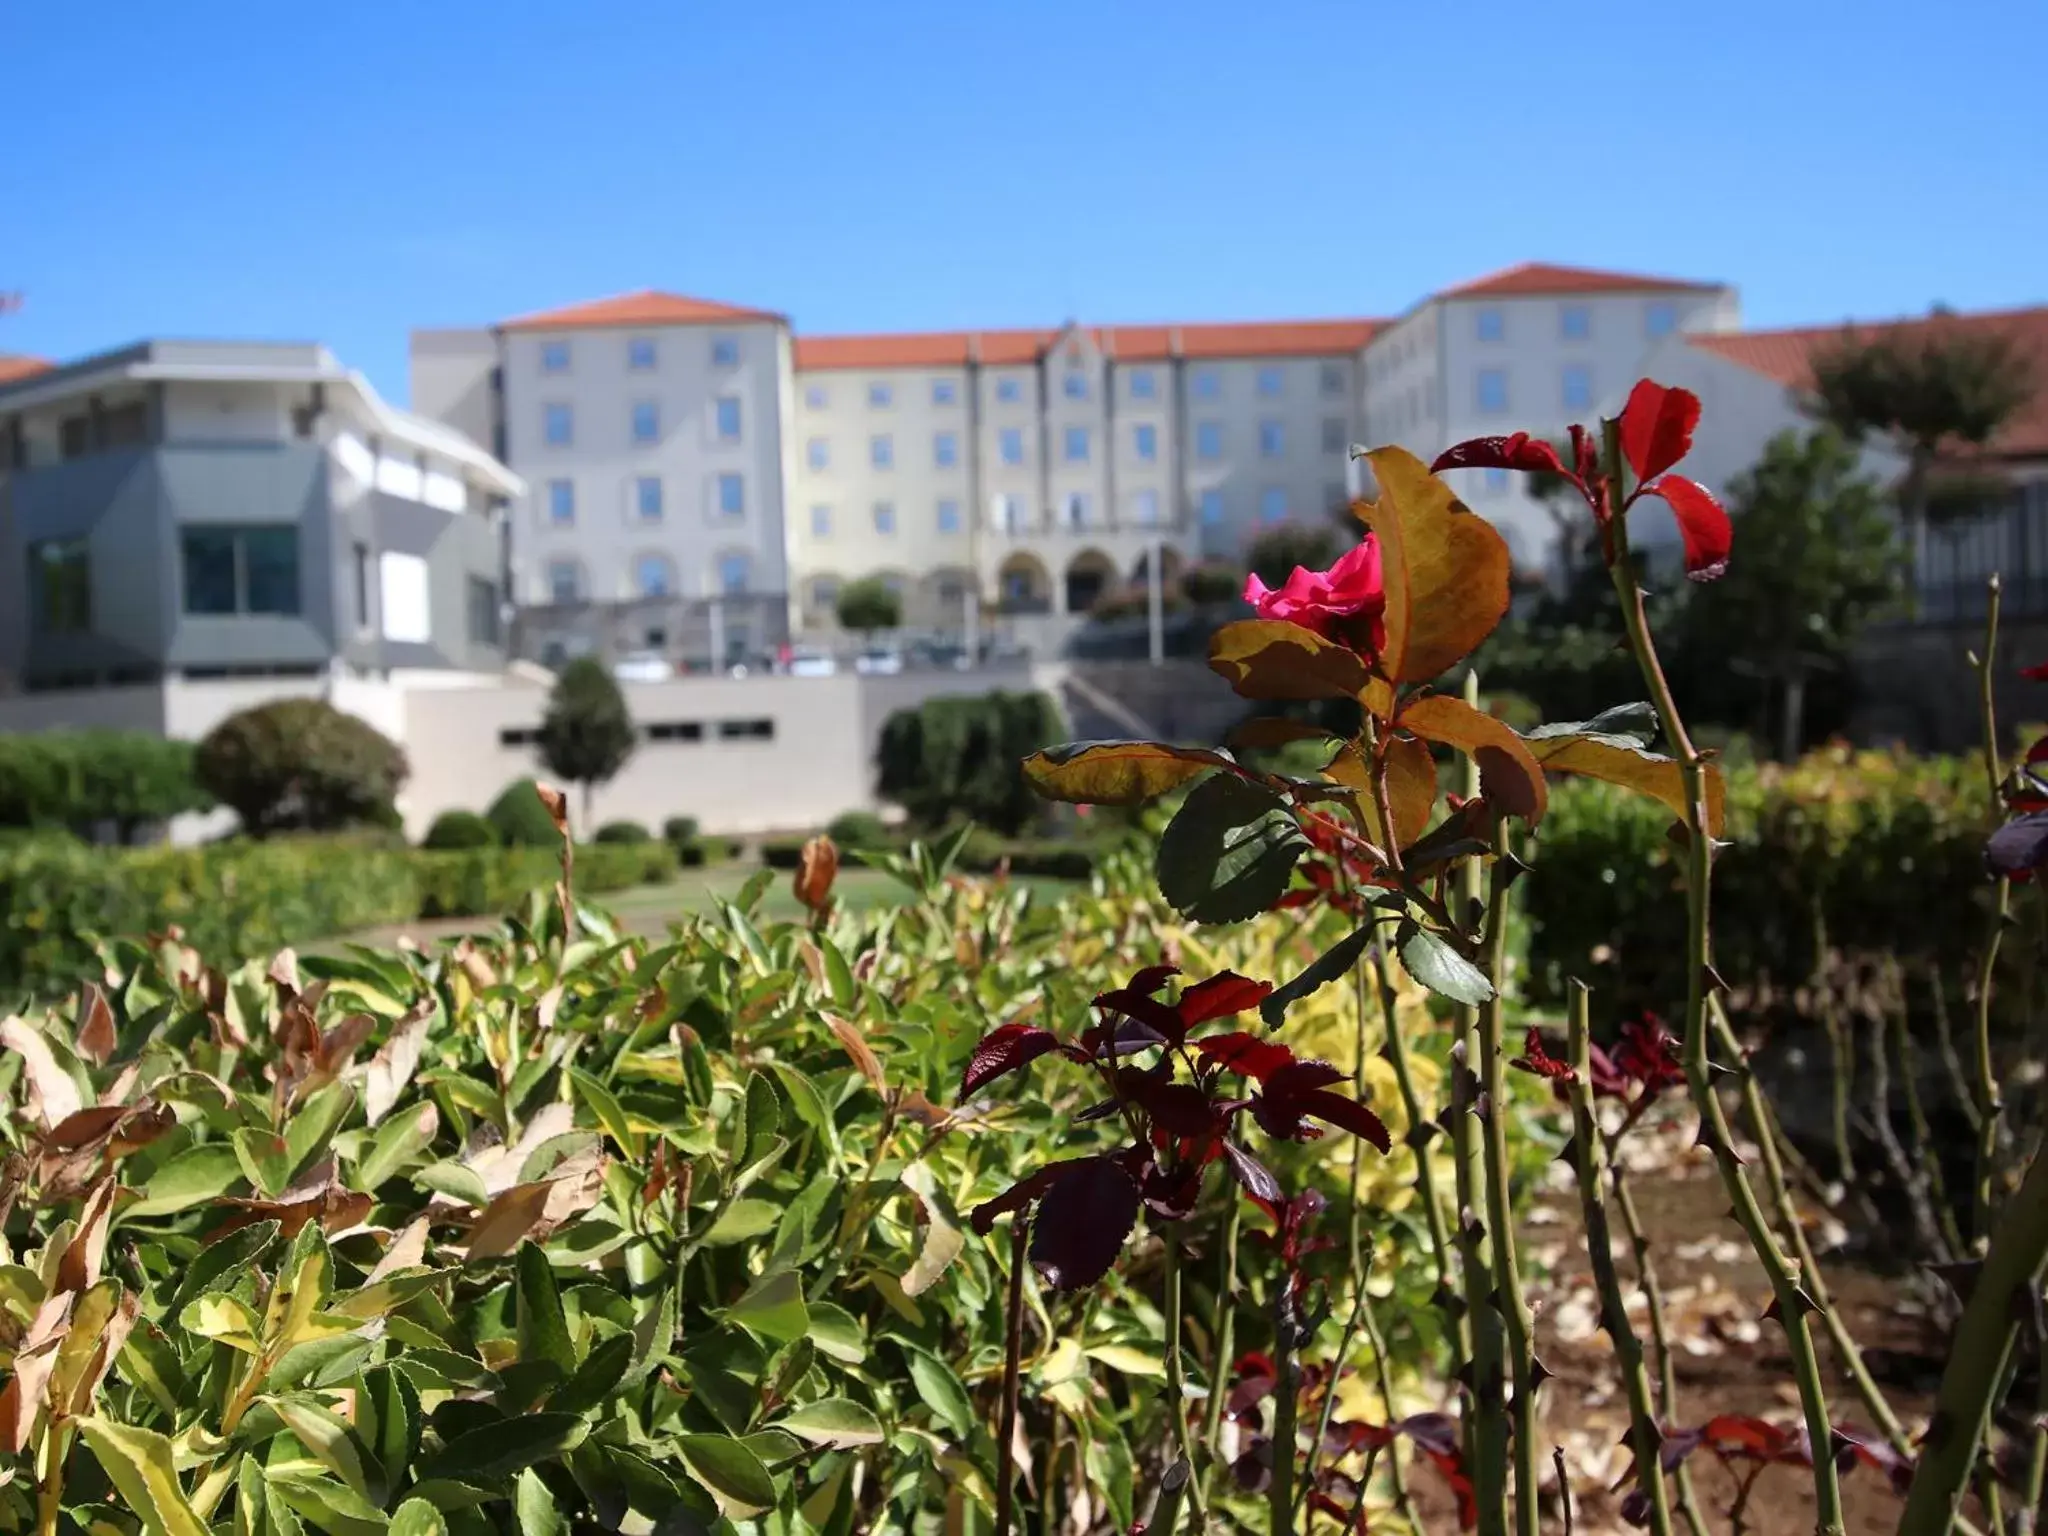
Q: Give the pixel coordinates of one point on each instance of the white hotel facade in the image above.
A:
(707, 481)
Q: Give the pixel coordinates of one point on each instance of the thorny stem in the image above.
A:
(1485, 1419)
(1985, 1084)
(1013, 1352)
(1916, 1116)
(1176, 1382)
(1360, 1262)
(1329, 1407)
(1422, 1129)
(1286, 1391)
(1589, 1156)
(1508, 1299)
(1912, 1185)
(1383, 1374)
(2027, 1517)
(1660, 1336)
(1791, 1303)
(1982, 1343)
(1841, 1045)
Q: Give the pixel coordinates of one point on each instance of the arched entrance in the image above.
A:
(1090, 574)
(1024, 585)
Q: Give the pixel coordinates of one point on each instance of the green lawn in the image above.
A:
(649, 909)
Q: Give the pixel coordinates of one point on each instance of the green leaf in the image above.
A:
(940, 1390)
(265, 1158)
(729, 1470)
(837, 1333)
(543, 1330)
(314, 1122)
(454, 1181)
(193, 1177)
(1229, 851)
(597, 1378)
(416, 1517)
(535, 1507)
(653, 1334)
(326, 1436)
(1108, 1465)
(498, 1450)
(388, 1417)
(398, 1141)
(138, 1463)
(1431, 961)
(808, 1103)
(1332, 963)
(837, 1422)
(740, 1220)
(1117, 772)
(755, 1134)
(772, 1308)
(1131, 1362)
(229, 1257)
(334, 1507)
(606, 1110)
(942, 1237)
(389, 1294)
(1624, 725)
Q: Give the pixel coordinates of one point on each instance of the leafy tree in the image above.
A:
(302, 765)
(1932, 388)
(868, 605)
(1821, 558)
(1275, 553)
(957, 758)
(587, 734)
(83, 779)
(454, 831)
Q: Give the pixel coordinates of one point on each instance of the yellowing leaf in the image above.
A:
(1132, 1362)
(1269, 659)
(226, 1320)
(1647, 773)
(1116, 772)
(1411, 787)
(1063, 1362)
(1445, 569)
(324, 1434)
(1508, 770)
(55, 1095)
(942, 1238)
(138, 1463)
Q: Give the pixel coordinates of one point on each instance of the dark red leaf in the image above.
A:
(1300, 1077)
(1345, 1436)
(1739, 1436)
(1246, 1054)
(1451, 1465)
(1879, 1456)
(1136, 1007)
(1347, 1114)
(1180, 1108)
(1004, 1049)
(2037, 673)
(1521, 451)
(1082, 1222)
(1646, 1054)
(1152, 978)
(1656, 427)
(1436, 1433)
(1019, 1194)
(1220, 997)
(2038, 751)
(1536, 1058)
(1255, 1176)
(1702, 523)
(1171, 1194)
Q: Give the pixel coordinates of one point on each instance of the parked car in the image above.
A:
(879, 660)
(809, 661)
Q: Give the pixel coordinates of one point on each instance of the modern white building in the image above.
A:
(701, 482)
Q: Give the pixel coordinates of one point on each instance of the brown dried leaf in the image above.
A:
(33, 1362)
(817, 868)
(865, 1061)
(557, 805)
(507, 1220)
(80, 1266)
(384, 1079)
(53, 1096)
(96, 1040)
(407, 1250)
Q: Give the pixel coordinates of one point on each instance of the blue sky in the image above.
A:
(344, 173)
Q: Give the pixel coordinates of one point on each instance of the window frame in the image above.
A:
(241, 571)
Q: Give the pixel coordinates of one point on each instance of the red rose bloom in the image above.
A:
(1347, 602)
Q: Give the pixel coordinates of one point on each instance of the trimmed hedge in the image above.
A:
(522, 821)
(622, 832)
(77, 779)
(982, 854)
(460, 829)
(248, 896)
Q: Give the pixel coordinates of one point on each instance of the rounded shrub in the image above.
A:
(858, 829)
(622, 832)
(456, 830)
(679, 830)
(520, 819)
(301, 765)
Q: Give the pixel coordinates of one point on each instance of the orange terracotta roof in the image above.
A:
(1126, 343)
(647, 307)
(1787, 357)
(1530, 278)
(14, 367)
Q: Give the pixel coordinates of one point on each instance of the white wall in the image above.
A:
(232, 413)
(603, 462)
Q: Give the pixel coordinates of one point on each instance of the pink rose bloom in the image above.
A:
(1323, 601)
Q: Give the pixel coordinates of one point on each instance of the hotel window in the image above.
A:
(1145, 440)
(1578, 387)
(1575, 321)
(1077, 445)
(880, 396)
(640, 354)
(1660, 319)
(1332, 375)
(881, 451)
(728, 418)
(654, 576)
(1208, 439)
(1009, 390)
(945, 450)
(1333, 434)
(1010, 445)
(647, 498)
(821, 522)
(1144, 384)
(1211, 509)
(735, 573)
(1272, 441)
(558, 425)
(1269, 381)
(818, 452)
(817, 397)
(1145, 509)
(1493, 390)
(949, 516)
(565, 581)
(1492, 325)
(1273, 504)
(562, 503)
(1075, 386)
(732, 496)
(1208, 384)
(646, 422)
(60, 586)
(885, 517)
(725, 351)
(944, 392)
(554, 357)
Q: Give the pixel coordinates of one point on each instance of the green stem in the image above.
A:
(1383, 1373)
(1360, 1261)
(1980, 1347)
(1421, 1130)
(1926, 1150)
(1589, 1157)
(1176, 1379)
(1013, 1354)
(50, 1490)
(1660, 1336)
(1173, 1487)
(1329, 1407)
(1225, 1333)
(1286, 1392)
(1841, 1046)
(2027, 1518)
(1791, 1304)
(1508, 1299)
(1985, 1083)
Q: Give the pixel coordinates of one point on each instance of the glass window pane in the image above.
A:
(271, 559)
(209, 559)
